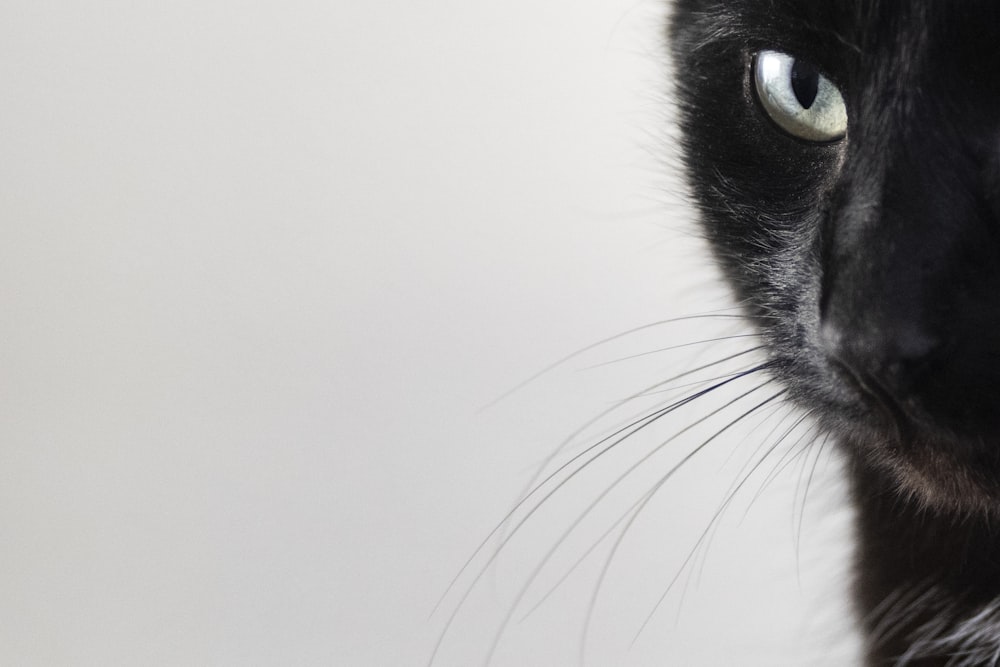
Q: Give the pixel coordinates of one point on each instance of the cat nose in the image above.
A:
(892, 362)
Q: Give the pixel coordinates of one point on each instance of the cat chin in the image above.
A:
(938, 474)
(938, 465)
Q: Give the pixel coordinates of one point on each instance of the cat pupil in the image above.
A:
(805, 83)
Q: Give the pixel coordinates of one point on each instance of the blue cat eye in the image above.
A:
(797, 97)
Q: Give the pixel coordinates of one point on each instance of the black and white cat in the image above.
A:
(845, 159)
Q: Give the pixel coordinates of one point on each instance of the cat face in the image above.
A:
(845, 158)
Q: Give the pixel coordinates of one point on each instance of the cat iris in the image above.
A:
(798, 98)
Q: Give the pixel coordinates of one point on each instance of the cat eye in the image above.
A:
(798, 98)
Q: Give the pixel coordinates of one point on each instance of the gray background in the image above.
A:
(262, 265)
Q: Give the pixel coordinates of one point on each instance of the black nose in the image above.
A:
(894, 362)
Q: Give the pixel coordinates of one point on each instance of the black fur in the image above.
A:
(871, 266)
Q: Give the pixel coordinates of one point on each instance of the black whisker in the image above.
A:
(673, 389)
(656, 415)
(579, 561)
(534, 486)
(668, 349)
(714, 525)
(784, 418)
(652, 492)
(787, 458)
(619, 480)
(705, 533)
(760, 444)
(605, 341)
(650, 390)
(705, 381)
(805, 495)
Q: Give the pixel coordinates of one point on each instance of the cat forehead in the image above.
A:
(941, 44)
(864, 26)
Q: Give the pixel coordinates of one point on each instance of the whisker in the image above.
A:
(604, 341)
(899, 611)
(685, 385)
(787, 458)
(675, 389)
(650, 390)
(707, 545)
(705, 533)
(579, 561)
(620, 479)
(668, 349)
(641, 504)
(656, 415)
(739, 475)
(781, 465)
(534, 486)
(805, 495)
(760, 445)
(781, 439)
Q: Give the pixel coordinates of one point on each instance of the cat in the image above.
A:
(844, 157)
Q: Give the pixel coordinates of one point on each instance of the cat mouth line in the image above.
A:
(870, 388)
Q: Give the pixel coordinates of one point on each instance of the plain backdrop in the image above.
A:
(265, 268)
